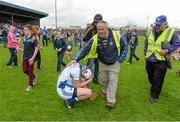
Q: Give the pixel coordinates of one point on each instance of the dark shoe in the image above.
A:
(110, 105)
(138, 59)
(69, 105)
(153, 100)
(96, 82)
(39, 70)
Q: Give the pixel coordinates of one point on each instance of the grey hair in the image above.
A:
(103, 22)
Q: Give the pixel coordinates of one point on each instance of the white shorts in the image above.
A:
(66, 93)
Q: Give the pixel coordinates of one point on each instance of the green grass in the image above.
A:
(43, 103)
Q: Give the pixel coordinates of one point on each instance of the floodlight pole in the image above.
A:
(56, 13)
(147, 21)
(12, 18)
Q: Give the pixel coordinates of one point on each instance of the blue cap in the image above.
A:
(97, 18)
(160, 20)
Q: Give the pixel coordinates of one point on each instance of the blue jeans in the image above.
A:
(45, 40)
(96, 67)
(60, 56)
(13, 58)
(132, 54)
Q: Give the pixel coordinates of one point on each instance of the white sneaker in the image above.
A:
(10, 67)
(29, 88)
(35, 80)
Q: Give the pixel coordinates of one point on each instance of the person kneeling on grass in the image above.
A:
(72, 84)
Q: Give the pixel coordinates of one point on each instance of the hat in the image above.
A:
(160, 20)
(97, 17)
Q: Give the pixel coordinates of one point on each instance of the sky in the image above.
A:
(115, 12)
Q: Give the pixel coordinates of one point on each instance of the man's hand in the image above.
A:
(31, 61)
(91, 77)
(176, 54)
(163, 52)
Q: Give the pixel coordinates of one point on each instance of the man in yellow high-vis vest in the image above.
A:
(111, 49)
(160, 42)
(88, 34)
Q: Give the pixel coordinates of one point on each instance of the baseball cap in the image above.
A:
(97, 17)
(160, 20)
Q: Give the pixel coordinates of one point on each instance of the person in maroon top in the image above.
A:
(29, 55)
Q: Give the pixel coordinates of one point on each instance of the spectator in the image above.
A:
(44, 37)
(29, 55)
(60, 47)
(133, 44)
(36, 31)
(111, 49)
(160, 42)
(12, 44)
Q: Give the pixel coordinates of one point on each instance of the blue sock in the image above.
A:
(72, 100)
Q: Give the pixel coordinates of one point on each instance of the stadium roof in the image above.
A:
(9, 8)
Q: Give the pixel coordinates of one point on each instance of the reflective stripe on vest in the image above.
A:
(93, 53)
(156, 46)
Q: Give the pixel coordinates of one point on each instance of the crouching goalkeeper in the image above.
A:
(72, 84)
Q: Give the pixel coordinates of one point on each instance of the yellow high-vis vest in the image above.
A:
(93, 52)
(156, 46)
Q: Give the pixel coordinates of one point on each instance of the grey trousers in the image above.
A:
(109, 80)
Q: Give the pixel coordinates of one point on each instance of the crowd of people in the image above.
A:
(98, 45)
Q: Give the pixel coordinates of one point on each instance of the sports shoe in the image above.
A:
(10, 67)
(39, 70)
(69, 105)
(137, 59)
(29, 88)
(110, 105)
(16, 65)
(35, 80)
(153, 100)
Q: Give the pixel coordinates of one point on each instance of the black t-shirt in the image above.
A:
(29, 46)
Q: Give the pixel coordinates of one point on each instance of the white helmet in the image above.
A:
(86, 74)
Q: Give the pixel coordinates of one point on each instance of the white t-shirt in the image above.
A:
(70, 74)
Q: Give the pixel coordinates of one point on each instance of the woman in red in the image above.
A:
(36, 31)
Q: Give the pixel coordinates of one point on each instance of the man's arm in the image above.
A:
(54, 44)
(64, 44)
(175, 43)
(124, 50)
(84, 83)
(84, 51)
(145, 46)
